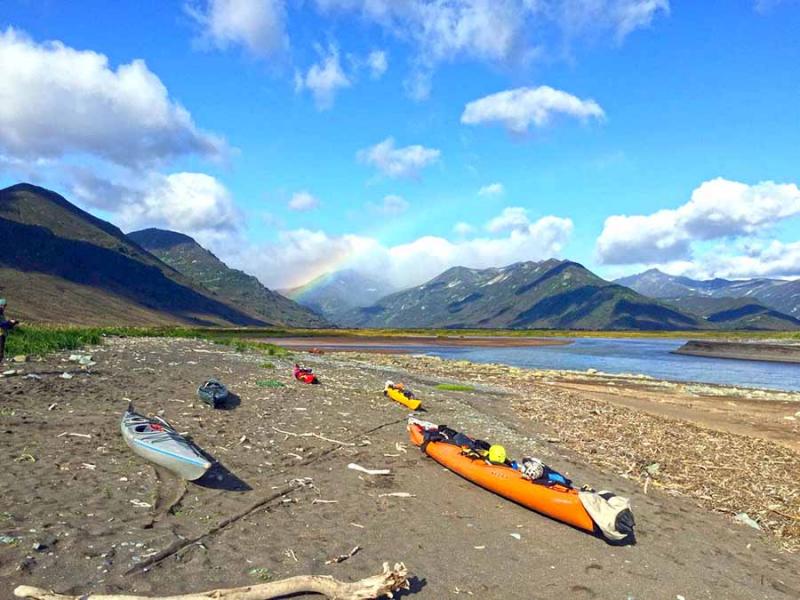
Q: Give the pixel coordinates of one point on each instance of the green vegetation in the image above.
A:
(269, 383)
(38, 340)
(455, 387)
(34, 340)
(267, 365)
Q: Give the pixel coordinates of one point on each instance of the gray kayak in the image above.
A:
(157, 441)
(213, 392)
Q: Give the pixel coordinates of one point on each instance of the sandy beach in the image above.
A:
(81, 513)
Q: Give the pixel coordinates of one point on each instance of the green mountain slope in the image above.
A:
(189, 258)
(735, 313)
(550, 294)
(50, 248)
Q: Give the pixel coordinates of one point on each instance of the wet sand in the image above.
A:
(768, 352)
(404, 344)
(98, 510)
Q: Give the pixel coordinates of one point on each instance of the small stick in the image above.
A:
(83, 435)
(343, 557)
(356, 467)
(397, 495)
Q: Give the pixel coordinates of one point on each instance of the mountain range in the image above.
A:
(61, 264)
(776, 294)
(550, 294)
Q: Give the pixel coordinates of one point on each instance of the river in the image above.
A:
(642, 356)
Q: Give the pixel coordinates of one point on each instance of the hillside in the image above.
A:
(189, 258)
(777, 294)
(60, 264)
(335, 294)
(735, 313)
(550, 294)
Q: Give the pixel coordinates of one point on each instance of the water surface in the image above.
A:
(645, 356)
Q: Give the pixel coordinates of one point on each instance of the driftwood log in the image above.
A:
(384, 584)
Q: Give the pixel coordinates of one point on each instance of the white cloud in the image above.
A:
(324, 79)
(513, 218)
(55, 101)
(299, 255)
(517, 109)
(303, 202)
(398, 162)
(768, 259)
(391, 206)
(492, 189)
(621, 17)
(193, 203)
(259, 26)
(498, 31)
(717, 209)
(377, 62)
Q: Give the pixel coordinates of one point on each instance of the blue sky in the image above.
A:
(623, 133)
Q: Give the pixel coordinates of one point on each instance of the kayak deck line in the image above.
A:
(187, 459)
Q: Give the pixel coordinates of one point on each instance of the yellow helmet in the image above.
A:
(497, 454)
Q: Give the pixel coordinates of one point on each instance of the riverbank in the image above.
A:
(767, 352)
(81, 510)
(400, 344)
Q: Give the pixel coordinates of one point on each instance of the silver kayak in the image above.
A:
(156, 440)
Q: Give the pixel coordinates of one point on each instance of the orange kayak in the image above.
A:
(555, 501)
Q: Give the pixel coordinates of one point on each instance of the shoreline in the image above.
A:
(763, 352)
(388, 343)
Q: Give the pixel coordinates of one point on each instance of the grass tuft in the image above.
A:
(455, 387)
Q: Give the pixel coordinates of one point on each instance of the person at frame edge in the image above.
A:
(5, 327)
(532, 468)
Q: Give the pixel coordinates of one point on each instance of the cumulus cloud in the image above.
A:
(259, 26)
(299, 255)
(498, 31)
(377, 62)
(492, 189)
(193, 203)
(324, 79)
(718, 209)
(391, 206)
(55, 101)
(520, 108)
(303, 202)
(755, 259)
(513, 218)
(406, 162)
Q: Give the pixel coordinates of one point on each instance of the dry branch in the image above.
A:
(383, 584)
(312, 434)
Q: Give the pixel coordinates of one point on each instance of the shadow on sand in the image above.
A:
(218, 477)
(231, 402)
